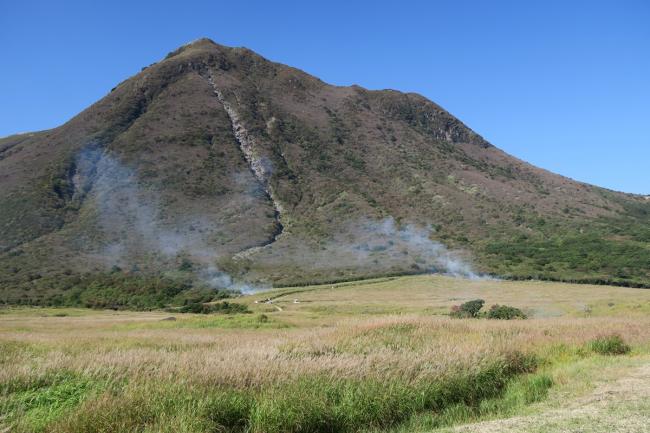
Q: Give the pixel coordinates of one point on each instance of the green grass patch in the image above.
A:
(31, 405)
(161, 407)
(609, 345)
(519, 392)
(13, 350)
(200, 321)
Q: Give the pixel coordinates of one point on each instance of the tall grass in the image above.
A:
(612, 344)
(306, 405)
(134, 373)
(518, 392)
(34, 404)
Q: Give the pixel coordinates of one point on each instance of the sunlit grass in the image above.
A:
(329, 361)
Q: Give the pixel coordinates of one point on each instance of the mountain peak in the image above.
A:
(222, 159)
(196, 46)
(202, 42)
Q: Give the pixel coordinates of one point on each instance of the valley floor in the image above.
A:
(374, 356)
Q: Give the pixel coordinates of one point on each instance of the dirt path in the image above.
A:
(622, 406)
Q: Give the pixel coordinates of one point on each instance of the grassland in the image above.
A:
(375, 356)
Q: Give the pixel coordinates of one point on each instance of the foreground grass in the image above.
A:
(308, 404)
(316, 403)
(597, 394)
(302, 367)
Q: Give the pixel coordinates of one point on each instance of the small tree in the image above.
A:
(469, 309)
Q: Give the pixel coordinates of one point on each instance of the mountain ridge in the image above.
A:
(214, 151)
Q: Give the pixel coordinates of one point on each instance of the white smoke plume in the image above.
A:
(377, 246)
(134, 226)
(131, 219)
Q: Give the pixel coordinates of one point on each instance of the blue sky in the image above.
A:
(564, 85)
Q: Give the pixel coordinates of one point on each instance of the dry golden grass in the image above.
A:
(352, 331)
(369, 344)
(436, 294)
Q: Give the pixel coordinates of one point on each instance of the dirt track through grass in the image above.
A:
(618, 406)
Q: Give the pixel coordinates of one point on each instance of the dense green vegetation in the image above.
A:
(610, 251)
(505, 312)
(223, 307)
(115, 290)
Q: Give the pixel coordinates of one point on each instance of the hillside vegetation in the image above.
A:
(216, 168)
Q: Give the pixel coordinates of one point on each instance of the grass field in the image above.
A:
(374, 356)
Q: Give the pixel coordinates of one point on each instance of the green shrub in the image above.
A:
(612, 344)
(185, 266)
(224, 307)
(505, 312)
(469, 309)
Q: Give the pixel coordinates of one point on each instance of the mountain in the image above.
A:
(216, 168)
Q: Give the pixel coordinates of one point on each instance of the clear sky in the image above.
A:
(564, 85)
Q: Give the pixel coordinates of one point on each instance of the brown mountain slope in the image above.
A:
(217, 163)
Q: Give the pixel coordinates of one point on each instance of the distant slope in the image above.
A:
(216, 167)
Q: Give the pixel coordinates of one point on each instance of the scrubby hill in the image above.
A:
(218, 168)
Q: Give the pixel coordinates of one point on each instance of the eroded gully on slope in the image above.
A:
(256, 165)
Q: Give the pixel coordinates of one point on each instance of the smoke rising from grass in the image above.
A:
(434, 255)
(133, 223)
(136, 231)
(380, 246)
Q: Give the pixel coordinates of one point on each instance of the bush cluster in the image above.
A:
(505, 312)
(472, 310)
(224, 307)
(469, 309)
